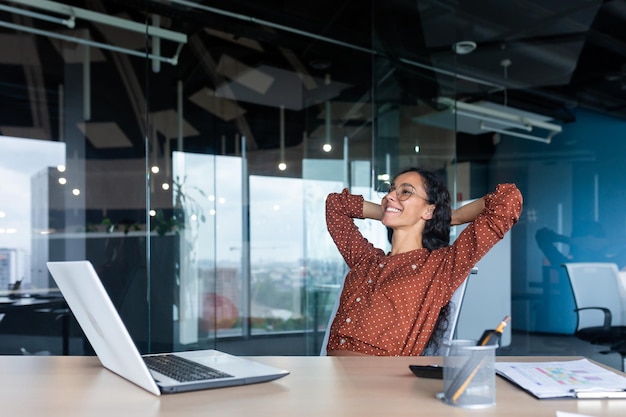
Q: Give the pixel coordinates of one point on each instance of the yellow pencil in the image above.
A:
(498, 331)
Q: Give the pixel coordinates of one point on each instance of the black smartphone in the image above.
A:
(427, 371)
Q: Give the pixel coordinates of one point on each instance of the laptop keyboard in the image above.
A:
(181, 369)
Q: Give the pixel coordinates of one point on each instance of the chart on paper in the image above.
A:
(571, 375)
(562, 378)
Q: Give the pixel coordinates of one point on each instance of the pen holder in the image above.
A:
(469, 377)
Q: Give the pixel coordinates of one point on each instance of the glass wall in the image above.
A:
(186, 150)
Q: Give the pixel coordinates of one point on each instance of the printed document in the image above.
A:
(564, 379)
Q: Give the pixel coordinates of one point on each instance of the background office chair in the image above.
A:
(600, 300)
(431, 349)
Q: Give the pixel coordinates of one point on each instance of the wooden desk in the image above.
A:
(318, 386)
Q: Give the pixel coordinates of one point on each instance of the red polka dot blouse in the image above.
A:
(390, 304)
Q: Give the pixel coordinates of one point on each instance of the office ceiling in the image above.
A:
(550, 57)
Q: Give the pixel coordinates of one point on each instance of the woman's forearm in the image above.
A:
(468, 212)
(372, 210)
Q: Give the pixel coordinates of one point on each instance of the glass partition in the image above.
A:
(186, 151)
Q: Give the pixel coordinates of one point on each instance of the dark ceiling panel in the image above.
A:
(550, 57)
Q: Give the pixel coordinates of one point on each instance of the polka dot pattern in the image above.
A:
(390, 304)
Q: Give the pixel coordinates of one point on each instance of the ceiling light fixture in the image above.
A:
(70, 23)
(327, 147)
(508, 123)
(74, 13)
(282, 165)
(494, 129)
(502, 117)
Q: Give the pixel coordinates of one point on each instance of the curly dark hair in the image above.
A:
(437, 231)
(443, 322)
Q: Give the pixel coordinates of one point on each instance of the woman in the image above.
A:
(390, 302)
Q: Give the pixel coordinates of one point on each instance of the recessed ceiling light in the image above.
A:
(464, 47)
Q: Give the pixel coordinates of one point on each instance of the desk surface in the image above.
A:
(317, 386)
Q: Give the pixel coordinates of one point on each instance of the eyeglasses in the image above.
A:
(403, 191)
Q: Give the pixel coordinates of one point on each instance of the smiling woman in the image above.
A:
(390, 303)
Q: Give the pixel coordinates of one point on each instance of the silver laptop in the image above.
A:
(86, 297)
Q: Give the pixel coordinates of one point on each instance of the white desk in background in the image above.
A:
(68, 386)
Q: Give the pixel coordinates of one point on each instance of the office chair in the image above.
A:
(431, 349)
(436, 349)
(600, 300)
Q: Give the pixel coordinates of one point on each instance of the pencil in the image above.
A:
(474, 367)
(498, 331)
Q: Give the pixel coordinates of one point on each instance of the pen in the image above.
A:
(492, 337)
(584, 393)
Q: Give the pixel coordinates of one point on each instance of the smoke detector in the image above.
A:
(464, 47)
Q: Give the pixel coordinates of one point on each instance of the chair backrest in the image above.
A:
(456, 303)
(330, 320)
(453, 318)
(455, 309)
(597, 284)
